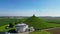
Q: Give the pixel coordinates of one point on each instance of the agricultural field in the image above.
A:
(5, 22)
(37, 23)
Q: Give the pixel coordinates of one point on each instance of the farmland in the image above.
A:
(5, 22)
(41, 23)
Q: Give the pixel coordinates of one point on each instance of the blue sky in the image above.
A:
(29, 7)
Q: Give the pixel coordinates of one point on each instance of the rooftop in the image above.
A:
(22, 24)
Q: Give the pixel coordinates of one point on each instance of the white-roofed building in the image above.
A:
(21, 27)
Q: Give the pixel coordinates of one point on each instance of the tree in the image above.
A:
(18, 21)
(11, 25)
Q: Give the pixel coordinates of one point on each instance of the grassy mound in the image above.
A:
(36, 22)
(39, 23)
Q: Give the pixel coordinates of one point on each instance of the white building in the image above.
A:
(32, 29)
(21, 27)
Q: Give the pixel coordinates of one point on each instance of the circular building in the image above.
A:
(21, 27)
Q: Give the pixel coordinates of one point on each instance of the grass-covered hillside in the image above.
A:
(34, 21)
(39, 23)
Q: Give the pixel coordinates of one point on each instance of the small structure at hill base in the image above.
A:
(20, 28)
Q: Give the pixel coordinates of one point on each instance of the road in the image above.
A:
(24, 33)
(21, 33)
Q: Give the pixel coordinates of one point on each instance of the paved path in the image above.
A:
(24, 33)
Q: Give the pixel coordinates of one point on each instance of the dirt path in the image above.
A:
(54, 30)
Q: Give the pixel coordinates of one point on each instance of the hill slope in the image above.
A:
(36, 22)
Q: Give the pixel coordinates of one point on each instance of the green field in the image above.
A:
(40, 32)
(37, 23)
(2, 29)
(5, 22)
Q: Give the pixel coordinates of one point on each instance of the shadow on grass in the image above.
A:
(12, 31)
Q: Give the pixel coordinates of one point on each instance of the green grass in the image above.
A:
(39, 23)
(2, 29)
(50, 25)
(5, 22)
(33, 21)
(40, 32)
(57, 21)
